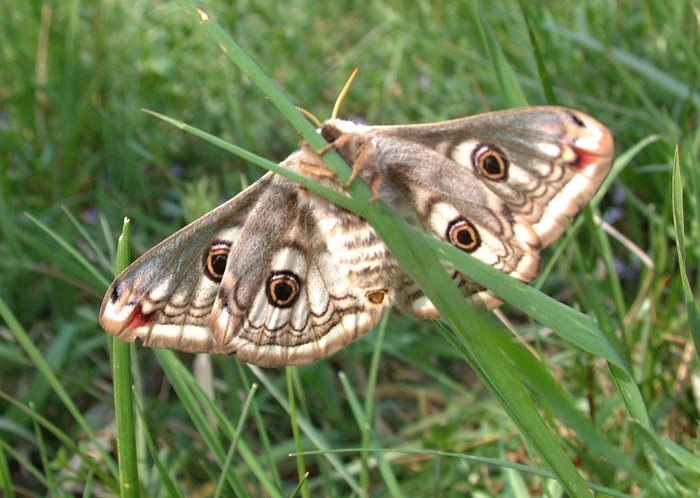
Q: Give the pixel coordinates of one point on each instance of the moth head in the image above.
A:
(333, 129)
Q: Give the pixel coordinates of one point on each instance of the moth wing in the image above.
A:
(254, 277)
(500, 185)
(544, 162)
(164, 297)
(427, 189)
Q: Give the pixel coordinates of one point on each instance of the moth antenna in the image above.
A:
(344, 92)
(310, 116)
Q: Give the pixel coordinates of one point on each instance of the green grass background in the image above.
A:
(399, 412)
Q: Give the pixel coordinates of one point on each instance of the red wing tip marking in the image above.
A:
(138, 318)
(584, 158)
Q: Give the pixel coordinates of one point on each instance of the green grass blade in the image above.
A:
(70, 250)
(5, 476)
(168, 484)
(49, 478)
(309, 430)
(369, 444)
(415, 256)
(278, 99)
(572, 325)
(125, 417)
(679, 226)
(539, 379)
(250, 459)
(71, 445)
(183, 382)
(368, 427)
(504, 71)
(657, 77)
(236, 437)
(26, 464)
(260, 423)
(296, 432)
(37, 359)
(326, 192)
(545, 80)
(87, 237)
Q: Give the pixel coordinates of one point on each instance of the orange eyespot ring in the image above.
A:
(376, 296)
(490, 162)
(282, 289)
(463, 235)
(215, 261)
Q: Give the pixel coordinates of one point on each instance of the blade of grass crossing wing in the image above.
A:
(472, 331)
(421, 262)
(123, 395)
(574, 326)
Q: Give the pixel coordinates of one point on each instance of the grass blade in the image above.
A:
(125, 417)
(5, 475)
(415, 256)
(506, 75)
(679, 226)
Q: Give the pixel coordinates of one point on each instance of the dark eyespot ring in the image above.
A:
(282, 289)
(490, 162)
(215, 261)
(463, 235)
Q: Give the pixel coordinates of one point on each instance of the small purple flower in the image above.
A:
(89, 216)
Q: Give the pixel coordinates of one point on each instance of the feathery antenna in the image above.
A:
(344, 92)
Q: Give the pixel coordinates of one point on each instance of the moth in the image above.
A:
(280, 276)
